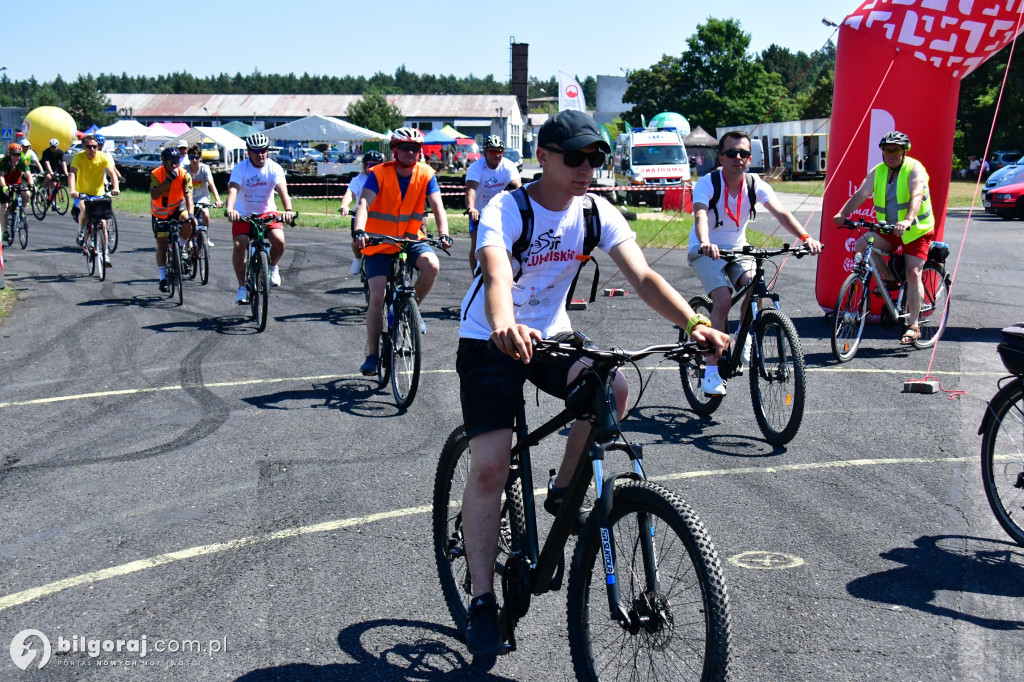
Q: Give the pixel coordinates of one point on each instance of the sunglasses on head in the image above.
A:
(733, 153)
(575, 158)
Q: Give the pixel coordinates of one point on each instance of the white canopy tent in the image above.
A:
(321, 129)
(124, 130)
(232, 147)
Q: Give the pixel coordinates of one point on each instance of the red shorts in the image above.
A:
(242, 227)
(919, 247)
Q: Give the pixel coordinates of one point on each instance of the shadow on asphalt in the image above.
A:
(676, 426)
(948, 563)
(357, 396)
(338, 316)
(230, 325)
(390, 649)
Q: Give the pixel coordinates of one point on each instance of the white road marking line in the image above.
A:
(34, 593)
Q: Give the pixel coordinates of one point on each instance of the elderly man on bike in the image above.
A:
(251, 190)
(170, 193)
(719, 192)
(88, 170)
(900, 187)
(392, 203)
(512, 303)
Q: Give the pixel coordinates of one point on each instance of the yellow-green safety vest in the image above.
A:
(925, 222)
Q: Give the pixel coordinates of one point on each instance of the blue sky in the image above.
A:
(359, 38)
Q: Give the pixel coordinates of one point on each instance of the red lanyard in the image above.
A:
(739, 202)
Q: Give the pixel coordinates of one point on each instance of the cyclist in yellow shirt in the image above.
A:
(88, 169)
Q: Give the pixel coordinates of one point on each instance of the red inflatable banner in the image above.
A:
(898, 67)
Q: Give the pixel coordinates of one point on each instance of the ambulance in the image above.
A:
(649, 161)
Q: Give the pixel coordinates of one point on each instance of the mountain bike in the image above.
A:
(646, 587)
(777, 376)
(55, 197)
(853, 305)
(199, 246)
(1002, 439)
(257, 265)
(16, 221)
(175, 267)
(399, 353)
(97, 209)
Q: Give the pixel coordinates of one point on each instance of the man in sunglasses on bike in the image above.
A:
(89, 168)
(486, 177)
(511, 303)
(737, 193)
(14, 169)
(53, 162)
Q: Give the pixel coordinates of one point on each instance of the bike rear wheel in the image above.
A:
(260, 295)
(405, 352)
(692, 372)
(849, 316)
(934, 306)
(672, 585)
(777, 378)
(202, 263)
(62, 201)
(23, 231)
(10, 224)
(1002, 458)
(449, 546)
(112, 233)
(40, 203)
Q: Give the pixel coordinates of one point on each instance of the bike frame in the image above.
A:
(750, 313)
(872, 274)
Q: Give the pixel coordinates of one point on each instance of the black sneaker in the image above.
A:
(163, 285)
(369, 366)
(483, 638)
(553, 502)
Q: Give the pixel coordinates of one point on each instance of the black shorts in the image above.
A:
(491, 384)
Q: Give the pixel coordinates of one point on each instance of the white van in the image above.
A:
(653, 159)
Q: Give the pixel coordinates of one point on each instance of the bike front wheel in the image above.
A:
(174, 269)
(112, 233)
(672, 587)
(62, 201)
(23, 231)
(692, 371)
(202, 263)
(40, 203)
(934, 306)
(97, 253)
(449, 543)
(259, 298)
(405, 353)
(849, 316)
(1002, 458)
(777, 378)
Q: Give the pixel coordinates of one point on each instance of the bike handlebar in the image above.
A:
(880, 228)
(799, 251)
(102, 197)
(377, 239)
(618, 356)
(264, 219)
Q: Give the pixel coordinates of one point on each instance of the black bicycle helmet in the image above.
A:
(170, 154)
(493, 142)
(373, 156)
(257, 141)
(896, 138)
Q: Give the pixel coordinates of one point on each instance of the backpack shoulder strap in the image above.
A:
(591, 238)
(752, 194)
(716, 194)
(522, 243)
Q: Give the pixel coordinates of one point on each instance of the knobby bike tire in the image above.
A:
(97, 253)
(692, 371)
(112, 234)
(23, 231)
(449, 548)
(192, 249)
(40, 202)
(9, 226)
(934, 306)
(175, 278)
(777, 378)
(63, 201)
(384, 350)
(849, 316)
(1002, 458)
(203, 257)
(405, 352)
(261, 290)
(87, 249)
(682, 600)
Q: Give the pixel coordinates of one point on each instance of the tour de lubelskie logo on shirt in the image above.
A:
(545, 249)
(255, 181)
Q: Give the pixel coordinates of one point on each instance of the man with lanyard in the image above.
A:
(392, 203)
(900, 187)
(202, 185)
(170, 194)
(503, 312)
(13, 170)
(355, 186)
(487, 176)
(251, 190)
(53, 161)
(88, 169)
(732, 212)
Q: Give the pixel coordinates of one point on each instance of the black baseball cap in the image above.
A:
(571, 130)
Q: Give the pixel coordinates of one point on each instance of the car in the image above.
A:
(285, 158)
(332, 156)
(348, 157)
(310, 153)
(69, 155)
(1000, 159)
(514, 156)
(1007, 201)
(1007, 175)
(143, 161)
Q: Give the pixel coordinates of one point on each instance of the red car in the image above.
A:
(1007, 201)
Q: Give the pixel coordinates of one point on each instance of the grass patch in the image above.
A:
(7, 298)
(961, 192)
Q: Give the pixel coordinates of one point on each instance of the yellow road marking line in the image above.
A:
(34, 593)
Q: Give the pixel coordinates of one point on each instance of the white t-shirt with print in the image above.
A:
(256, 186)
(727, 234)
(548, 265)
(491, 180)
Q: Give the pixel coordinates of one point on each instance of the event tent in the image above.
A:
(438, 137)
(452, 132)
(158, 132)
(124, 130)
(240, 129)
(317, 128)
(232, 146)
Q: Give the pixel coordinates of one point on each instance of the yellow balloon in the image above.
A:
(45, 123)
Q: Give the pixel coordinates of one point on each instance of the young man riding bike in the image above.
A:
(502, 317)
(170, 193)
(487, 176)
(392, 203)
(202, 186)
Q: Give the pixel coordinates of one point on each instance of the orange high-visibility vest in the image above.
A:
(165, 207)
(391, 213)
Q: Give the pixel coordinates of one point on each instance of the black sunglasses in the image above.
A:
(575, 158)
(733, 153)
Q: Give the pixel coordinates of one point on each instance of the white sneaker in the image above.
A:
(356, 264)
(713, 384)
(423, 326)
(745, 357)
(275, 276)
(242, 297)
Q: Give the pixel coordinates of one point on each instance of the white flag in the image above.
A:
(570, 94)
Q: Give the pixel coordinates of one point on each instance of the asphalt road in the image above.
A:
(169, 473)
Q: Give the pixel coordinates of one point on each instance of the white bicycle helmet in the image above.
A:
(257, 141)
(54, 142)
(494, 142)
(405, 134)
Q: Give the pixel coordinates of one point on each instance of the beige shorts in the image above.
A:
(714, 274)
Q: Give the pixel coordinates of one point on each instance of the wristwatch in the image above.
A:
(695, 320)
